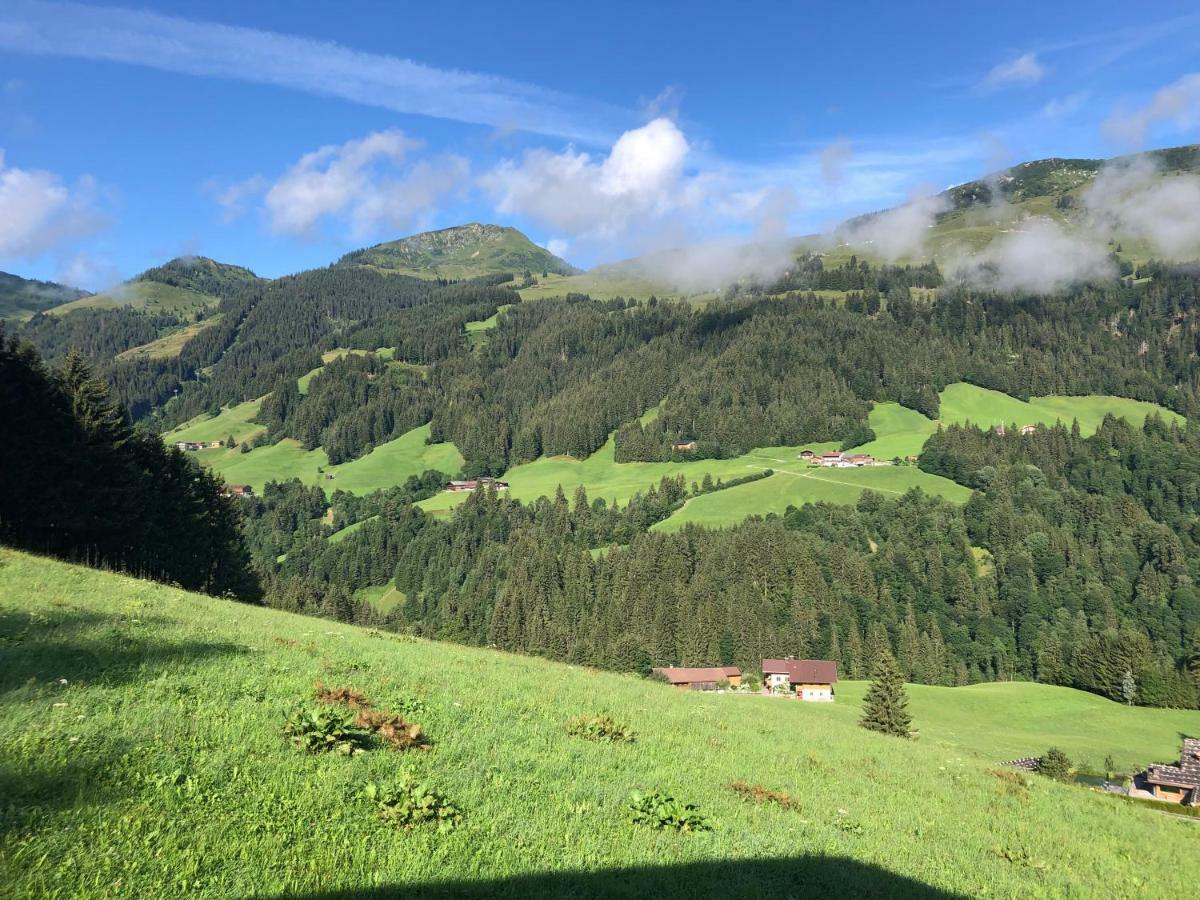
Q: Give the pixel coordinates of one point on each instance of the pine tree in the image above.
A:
(885, 708)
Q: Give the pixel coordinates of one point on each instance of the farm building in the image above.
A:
(1028, 429)
(808, 679)
(830, 458)
(1179, 783)
(475, 483)
(238, 490)
(684, 445)
(700, 679)
(806, 454)
(190, 445)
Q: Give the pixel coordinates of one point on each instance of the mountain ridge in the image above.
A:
(459, 252)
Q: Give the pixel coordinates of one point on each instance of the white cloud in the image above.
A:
(1177, 103)
(323, 68)
(364, 185)
(1062, 107)
(235, 198)
(1133, 199)
(641, 179)
(41, 212)
(1039, 255)
(1025, 69)
(83, 270)
(900, 232)
(833, 161)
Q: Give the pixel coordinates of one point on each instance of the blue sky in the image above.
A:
(281, 135)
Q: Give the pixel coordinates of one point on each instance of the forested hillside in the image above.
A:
(82, 485)
(22, 297)
(1073, 562)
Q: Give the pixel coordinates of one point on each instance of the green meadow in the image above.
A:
(142, 754)
(387, 465)
(899, 432)
(800, 484)
(235, 420)
(151, 296)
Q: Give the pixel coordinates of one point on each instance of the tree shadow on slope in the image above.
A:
(83, 647)
(776, 879)
(36, 787)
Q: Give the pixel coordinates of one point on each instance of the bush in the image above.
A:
(407, 803)
(600, 728)
(660, 811)
(1055, 764)
(326, 731)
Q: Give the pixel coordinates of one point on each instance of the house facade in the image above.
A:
(700, 679)
(1179, 783)
(807, 679)
(475, 484)
(238, 490)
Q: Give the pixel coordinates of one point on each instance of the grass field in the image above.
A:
(169, 345)
(150, 296)
(141, 755)
(899, 432)
(235, 420)
(798, 484)
(387, 465)
(383, 597)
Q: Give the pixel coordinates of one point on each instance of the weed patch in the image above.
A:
(326, 731)
(343, 695)
(407, 803)
(756, 793)
(658, 810)
(600, 728)
(392, 729)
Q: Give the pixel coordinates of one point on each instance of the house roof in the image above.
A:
(1186, 774)
(807, 671)
(677, 675)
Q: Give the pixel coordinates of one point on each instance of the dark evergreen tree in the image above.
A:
(885, 707)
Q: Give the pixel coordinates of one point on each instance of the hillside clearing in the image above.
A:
(138, 716)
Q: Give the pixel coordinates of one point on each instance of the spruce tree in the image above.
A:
(885, 708)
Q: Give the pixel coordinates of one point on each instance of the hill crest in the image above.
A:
(461, 251)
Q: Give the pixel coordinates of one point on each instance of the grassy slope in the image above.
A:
(146, 295)
(464, 251)
(388, 464)
(798, 484)
(170, 344)
(235, 420)
(158, 769)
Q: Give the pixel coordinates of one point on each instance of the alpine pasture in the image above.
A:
(143, 754)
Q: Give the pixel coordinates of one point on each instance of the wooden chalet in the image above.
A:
(476, 483)
(808, 679)
(806, 454)
(238, 490)
(700, 679)
(1179, 783)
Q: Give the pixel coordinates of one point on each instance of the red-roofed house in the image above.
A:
(700, 679)
(809, 679)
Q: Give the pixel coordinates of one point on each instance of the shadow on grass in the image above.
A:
(37, 787)
(83, 647)
(776, 879)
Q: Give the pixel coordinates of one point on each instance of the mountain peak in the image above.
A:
(459, 252)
